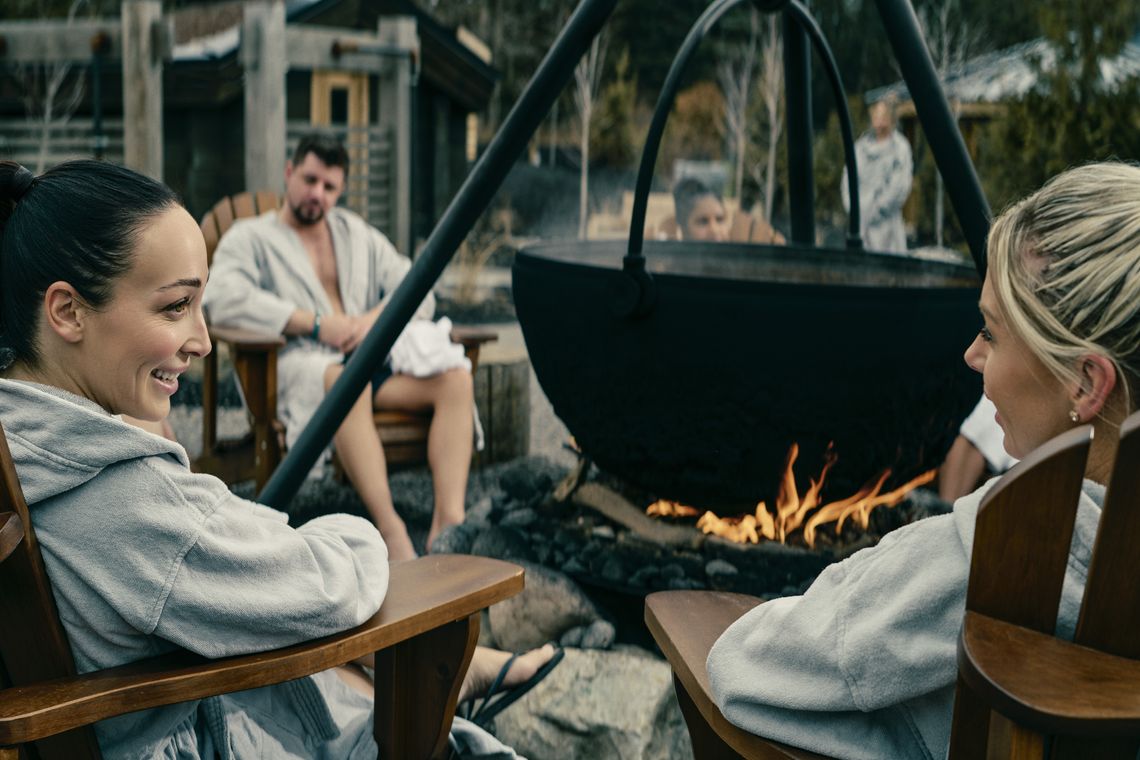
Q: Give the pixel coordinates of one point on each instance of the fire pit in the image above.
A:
(747, 351)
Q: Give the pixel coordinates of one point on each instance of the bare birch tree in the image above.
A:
(51, 92)
(735, 77)
(771, 87)
(587, 81)
(951, 40)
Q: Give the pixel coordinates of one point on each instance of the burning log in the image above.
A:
(616, 507)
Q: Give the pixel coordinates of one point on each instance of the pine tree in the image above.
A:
(1071, 115)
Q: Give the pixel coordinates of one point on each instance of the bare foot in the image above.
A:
(487, 662)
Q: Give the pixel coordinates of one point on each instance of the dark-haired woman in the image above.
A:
(101, 275)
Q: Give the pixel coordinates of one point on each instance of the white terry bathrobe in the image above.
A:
(261, 274)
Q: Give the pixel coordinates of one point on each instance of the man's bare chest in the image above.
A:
(322, 256)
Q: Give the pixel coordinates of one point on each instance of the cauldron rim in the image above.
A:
(680, 261)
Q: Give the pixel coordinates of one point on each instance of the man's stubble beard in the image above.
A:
(305, 220)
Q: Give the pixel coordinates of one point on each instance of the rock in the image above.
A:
(525, 483)
(718, 568)
(645, 576)
(599, 634)
(684, 584)
(412, 494)
(613, 570)
(599, 704)
(479, 513)
(573, 565)
(502, 543)
(573, 637)
(550, 605)
(455, 539)
(519, 518)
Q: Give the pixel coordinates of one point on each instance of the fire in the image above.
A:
(792, 511)
(665, 508)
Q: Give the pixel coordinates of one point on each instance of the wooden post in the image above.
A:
(396, 109)
(263, 59)
(146, 43)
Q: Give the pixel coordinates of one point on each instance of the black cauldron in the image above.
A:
(691, 368)
(746, 350)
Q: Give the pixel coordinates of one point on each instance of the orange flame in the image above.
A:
(665, 508)
(792, 512)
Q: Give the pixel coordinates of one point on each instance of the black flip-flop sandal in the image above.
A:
(498, 699)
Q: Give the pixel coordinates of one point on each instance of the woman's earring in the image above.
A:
(1075, 416)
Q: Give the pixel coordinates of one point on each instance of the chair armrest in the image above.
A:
(685, 625)
(423, 594)
(1048, 684)
(246, 339)
(473, 336)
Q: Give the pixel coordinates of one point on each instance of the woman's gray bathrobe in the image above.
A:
(863, 665)
(145, 556)
(261, 274)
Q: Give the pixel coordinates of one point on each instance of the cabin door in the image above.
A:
(339, 101)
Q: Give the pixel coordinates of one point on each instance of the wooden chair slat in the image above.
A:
(223, 212)
(266, 200)
(243, 207)
(1024, 530)
(1110, 612)
(29, 622)
(211, 235)
(33, 645)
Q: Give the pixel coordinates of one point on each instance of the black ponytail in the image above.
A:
(77, 223)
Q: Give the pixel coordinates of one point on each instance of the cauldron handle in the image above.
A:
(637, 294)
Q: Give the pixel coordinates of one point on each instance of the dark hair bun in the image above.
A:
(15, 181)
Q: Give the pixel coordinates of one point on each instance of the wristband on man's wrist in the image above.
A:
(316, 334)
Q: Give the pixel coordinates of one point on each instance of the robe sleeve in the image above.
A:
(390, 269)
(872, 631)
(249, 582)
(235, 295)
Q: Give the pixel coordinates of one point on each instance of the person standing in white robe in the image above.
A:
(885, 167)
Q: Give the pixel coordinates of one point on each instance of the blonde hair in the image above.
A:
(1065, 266)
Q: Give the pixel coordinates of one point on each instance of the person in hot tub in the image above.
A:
(863, 664)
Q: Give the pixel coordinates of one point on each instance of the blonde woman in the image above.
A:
(863, 664)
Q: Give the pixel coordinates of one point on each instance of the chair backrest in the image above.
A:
(33, 645)
(1021, 547)
(225, 212)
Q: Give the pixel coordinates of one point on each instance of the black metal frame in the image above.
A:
(533, 105)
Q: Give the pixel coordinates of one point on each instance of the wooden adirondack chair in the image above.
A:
(254, 357)
(423, 636)
(1021, 692)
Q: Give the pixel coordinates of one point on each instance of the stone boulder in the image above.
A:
(599, 704)
(549, 606)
